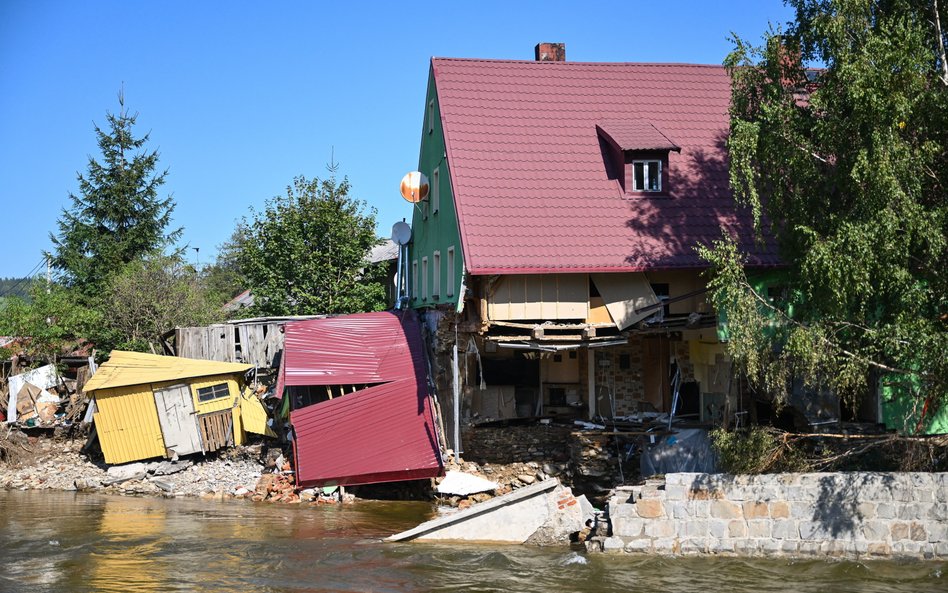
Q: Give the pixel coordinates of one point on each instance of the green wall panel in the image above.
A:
(435, 229)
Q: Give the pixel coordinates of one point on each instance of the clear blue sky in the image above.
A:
(241, 97)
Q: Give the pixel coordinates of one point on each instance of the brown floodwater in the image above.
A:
(71, 542)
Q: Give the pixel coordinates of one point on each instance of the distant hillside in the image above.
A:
(15, 287)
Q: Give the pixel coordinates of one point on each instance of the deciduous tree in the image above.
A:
(52, 321)
(150, 296)
(852, 177)
(305, 253)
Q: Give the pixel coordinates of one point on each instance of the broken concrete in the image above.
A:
(545, 513)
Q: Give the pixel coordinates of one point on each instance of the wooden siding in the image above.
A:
(127, 424)
(536, 297)
(438, 231)
(682, 282)
(259, 342)
(625, 295)
(127, 418)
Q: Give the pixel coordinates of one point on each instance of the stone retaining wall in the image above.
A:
(835, 514)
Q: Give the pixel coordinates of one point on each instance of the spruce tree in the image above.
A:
(117, 217)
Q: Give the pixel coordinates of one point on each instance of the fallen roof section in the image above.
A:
(384, 432)
(136, 368)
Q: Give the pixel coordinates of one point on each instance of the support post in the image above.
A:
(456, 388)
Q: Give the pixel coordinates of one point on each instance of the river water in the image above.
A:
(71, 542)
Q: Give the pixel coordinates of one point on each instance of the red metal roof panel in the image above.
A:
(383, 433)
(531, 188)
(633, 135)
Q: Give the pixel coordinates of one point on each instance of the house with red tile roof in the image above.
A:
(554, 257)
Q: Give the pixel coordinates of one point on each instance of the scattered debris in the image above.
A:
(462, 484)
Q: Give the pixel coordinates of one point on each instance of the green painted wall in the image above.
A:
(434, 232)
(901, 408)
(761, 281)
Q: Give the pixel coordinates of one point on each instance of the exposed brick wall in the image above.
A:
(628, 383)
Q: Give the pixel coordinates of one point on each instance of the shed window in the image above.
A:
(647, 176)
(431, 116)
(206, 394)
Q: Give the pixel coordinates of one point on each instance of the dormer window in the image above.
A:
(647, 176)
(636, 154)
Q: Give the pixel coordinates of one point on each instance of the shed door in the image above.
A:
(176, 416)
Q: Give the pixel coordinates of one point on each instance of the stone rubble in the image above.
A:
(59, 465)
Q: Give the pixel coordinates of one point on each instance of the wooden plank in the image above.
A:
(217, 429)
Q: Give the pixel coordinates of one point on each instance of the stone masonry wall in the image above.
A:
(515, 444)
(827, 514)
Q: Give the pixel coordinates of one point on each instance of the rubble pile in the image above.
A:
(595, 458)
(59, 465)
(507, 478)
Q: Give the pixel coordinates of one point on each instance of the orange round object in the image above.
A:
(414, 187)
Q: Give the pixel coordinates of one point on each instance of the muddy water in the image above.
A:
(51, 541)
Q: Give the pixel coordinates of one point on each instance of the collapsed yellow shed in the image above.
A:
(159, 406)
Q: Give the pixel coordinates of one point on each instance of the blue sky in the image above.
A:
(241, 97)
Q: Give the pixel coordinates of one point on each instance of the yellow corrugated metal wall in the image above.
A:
(127, 424)
(127, 418)
(253, 415)
(222, 403)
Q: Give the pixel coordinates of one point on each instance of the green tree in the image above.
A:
(150, 296)
(223, 278)
(306, 252)
(852, 179)
(117, 217)
(52, 320)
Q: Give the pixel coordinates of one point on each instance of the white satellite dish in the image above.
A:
(401, 233)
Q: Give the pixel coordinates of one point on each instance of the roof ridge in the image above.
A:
(574, 63)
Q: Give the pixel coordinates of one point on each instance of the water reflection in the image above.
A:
(83, 543)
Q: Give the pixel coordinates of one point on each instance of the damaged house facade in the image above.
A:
(554, 258)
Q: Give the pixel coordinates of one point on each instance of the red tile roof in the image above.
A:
(530, 183)
(382, 433)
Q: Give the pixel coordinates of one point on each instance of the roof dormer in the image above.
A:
(636, 155)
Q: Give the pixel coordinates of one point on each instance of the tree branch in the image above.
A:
(825, 340)
(941, 45)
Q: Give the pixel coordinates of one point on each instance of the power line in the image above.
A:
(29, 276)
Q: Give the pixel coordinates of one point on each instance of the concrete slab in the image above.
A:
(534, 511)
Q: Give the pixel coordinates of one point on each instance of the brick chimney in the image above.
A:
(550, 52)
